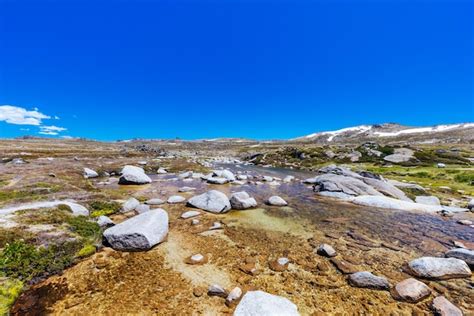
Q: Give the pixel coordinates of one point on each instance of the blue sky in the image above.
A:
(260, 69)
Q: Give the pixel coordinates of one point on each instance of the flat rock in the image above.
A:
(133, 175)
(155, 201)
(427, 200)
(256, 303)
(140, 232)
(242, 201)
(276, 201)
(174, 199)
(343, 266)
(439, 268)
(217, 180)
(186, 189)
(441, 306)
(366, 279)
(465, 255)
(412, 290)
(212, 201)
(394, 204)
(190, 214)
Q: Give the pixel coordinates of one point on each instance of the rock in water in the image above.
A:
(465, 255)
(276, 201)
(133, 175)
(439, 268)
(443, 307)
(217, 180)
(224, 174)
(89, 173)
(366, 279)
(412, 290)
(140, 232)
(130, 205)
(212, 201)
(242, 201)
(470, 205)
(255, 303)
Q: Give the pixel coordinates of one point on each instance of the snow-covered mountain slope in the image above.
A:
(390, 131)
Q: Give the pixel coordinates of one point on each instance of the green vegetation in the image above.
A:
(85, 228)
(31, 193)
(43, 216)
(9, 235)
(454, 176)
(24, 261)
(99, 208)
(10, 289)
(86, 251)
(467, 177)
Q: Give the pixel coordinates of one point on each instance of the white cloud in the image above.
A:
(51, 130)
(21, 116)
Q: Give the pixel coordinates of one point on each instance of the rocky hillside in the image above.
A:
(395, 133)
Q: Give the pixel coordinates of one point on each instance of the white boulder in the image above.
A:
(140, 232)
(89, 173)
(133, 175)
(242, 201)
(276, 201)
(256, 303)
(439, 268)
(212, 201)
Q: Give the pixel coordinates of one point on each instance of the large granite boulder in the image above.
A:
(242, 201)
(133, 175)
(343, 181)
(140, 232)
(256, 303)
(212, 201)
(439, 268)
(394, 204)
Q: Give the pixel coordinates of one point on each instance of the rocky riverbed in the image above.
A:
(279, 247)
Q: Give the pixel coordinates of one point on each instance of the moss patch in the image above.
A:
(99, 208)
(10, 289)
